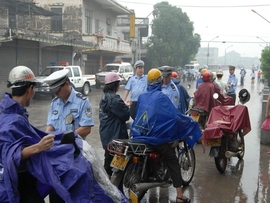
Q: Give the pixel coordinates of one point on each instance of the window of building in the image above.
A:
(56, 21)
(109, 26)
(97, 30)
(88, 21)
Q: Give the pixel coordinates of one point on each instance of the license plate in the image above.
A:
(196, 118)
(214, 142)
(133, 197)
(119, 162)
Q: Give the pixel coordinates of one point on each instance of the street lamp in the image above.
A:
(208, 47)
(226, 53)
(260, 15)
(263, 40)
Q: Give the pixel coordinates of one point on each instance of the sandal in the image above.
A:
(183, 200)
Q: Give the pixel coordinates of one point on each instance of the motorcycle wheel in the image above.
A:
(241, 144)
(221, 159)
(132, 175)
(187, 168)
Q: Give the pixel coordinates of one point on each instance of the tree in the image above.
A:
(265, 63)
(172, 41)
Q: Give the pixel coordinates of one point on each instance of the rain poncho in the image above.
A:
(74, 178)
(157, 121)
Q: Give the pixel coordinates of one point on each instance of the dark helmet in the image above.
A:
(244, 96)
(206, 76)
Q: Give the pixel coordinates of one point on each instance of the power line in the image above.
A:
(199, 6)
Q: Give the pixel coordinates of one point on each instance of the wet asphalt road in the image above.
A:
(245, 181)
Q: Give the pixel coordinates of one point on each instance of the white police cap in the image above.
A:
(139, 63)
(56, 79)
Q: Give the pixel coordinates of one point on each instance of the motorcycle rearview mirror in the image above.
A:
(68, 137)
(215, 95)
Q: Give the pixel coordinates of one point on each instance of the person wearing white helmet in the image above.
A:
(113, 114)
(19, 140)
(224, 87)
(137, 85)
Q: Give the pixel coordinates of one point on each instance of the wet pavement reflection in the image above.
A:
(245, 181)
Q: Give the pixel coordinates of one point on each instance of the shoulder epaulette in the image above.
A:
(173, 87)
(80, 95)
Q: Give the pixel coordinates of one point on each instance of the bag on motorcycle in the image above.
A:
(266, 124)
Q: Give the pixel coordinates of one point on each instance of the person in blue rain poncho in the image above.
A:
(158, 123)
(33, 162)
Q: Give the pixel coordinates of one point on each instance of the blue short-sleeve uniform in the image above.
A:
(137, 86)
(76, 104)
(172, 92)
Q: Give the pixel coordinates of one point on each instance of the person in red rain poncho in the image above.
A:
(203, 96)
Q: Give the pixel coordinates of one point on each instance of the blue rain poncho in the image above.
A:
(73, 177)
(157, 121)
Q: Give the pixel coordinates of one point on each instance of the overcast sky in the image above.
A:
(231, 20)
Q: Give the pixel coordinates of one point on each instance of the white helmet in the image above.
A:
(20, 76)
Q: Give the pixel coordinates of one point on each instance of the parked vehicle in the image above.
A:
(225, 131)
(138, 167)
(81, 83)
(192, 70)
(123, 69)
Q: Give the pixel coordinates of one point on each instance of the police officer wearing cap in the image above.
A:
(67, 101)
(232, 83)
(168, 87)
(137, 85)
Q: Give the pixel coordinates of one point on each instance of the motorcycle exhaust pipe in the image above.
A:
(230, 154)
(138, 187)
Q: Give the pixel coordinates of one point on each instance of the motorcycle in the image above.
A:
(225, 131)
(138, 167)
(197, 114)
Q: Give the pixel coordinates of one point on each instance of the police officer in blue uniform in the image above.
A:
(168, 87)
(232, 83)
(67, 101)
(137, 85)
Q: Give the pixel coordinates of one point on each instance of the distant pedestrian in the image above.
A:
(259, 74)
(252, 75)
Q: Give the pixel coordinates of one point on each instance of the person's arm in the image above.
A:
(49, 128)
(267, 107)
(83, 131)
(44, 144)
(126, 95)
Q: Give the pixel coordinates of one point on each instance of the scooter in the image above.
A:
(225, 131)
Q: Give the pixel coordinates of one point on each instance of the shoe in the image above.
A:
(182, 200)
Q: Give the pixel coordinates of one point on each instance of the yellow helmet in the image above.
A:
(203, 70)
(154, 76)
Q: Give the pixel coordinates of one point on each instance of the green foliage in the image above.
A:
(172, 42)
(265, 63)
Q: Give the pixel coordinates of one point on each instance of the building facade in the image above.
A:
(81, 32)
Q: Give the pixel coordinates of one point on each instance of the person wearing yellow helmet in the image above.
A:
(200, 80)
(158, 123)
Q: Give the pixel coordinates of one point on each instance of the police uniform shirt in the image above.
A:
(233, 80)
(172, 92)
(76, 104)
(137, 86)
